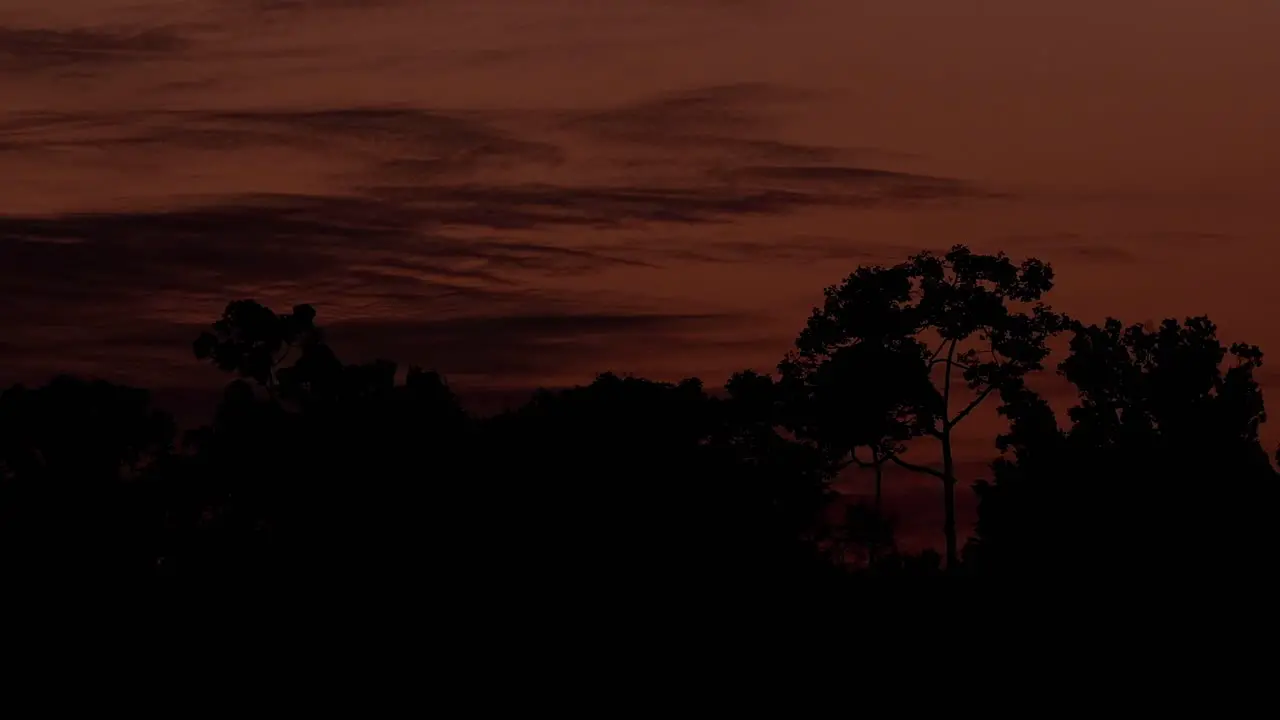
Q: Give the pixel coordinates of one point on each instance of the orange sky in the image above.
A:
(526, 191)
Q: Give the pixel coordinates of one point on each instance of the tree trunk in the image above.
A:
(878, 521)
(948, 465)
(949, 502)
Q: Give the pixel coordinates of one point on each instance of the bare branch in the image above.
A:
(917, 468)
(973, 405)
(934, 355)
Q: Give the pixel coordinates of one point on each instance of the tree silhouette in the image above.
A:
(253, 341)
(76, 489)
(789, 481)
(1160, 470)
(868, 396)
(645, 485)
(331, 473)
(982, 318)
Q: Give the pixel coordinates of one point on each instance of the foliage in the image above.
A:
(1160, 469)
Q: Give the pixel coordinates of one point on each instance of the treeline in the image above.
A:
(317, 469)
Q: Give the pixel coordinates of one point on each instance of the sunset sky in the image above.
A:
(524, 192)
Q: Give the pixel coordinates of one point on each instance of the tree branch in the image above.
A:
(934, 355)
(971, 406)
(917, 468)
(875, 462)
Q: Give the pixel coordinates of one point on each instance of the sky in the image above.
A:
(526, 192)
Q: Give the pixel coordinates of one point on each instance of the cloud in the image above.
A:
(120, 290)
(422, 225)
(726, 122)
(445, 130)
(441, 162)
(28, 49)
(287, 7)
(727, 125)
(792, 249)
(839, 175)
(862, 183)
(520, 348)
(719, 109)
(395, 240)
(251, 239)
(526, 206)
(1143, 248)
(401, 140)
(256, 240)
(83, 292)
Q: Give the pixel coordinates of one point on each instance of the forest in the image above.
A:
(313, 468)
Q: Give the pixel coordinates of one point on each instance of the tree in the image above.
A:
(899, 341)
(76, 490)
(253, 341)
(345, 469)
(80, 432)
(866, 396)
(788, 482)
(1161, 462)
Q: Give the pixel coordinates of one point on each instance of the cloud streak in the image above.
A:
(528, 206)
(29, 49)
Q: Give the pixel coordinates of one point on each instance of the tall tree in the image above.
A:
(940, 323)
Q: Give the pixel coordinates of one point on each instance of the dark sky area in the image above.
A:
(524, 192)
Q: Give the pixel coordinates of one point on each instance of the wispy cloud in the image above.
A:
(527, 206)
(851, 184)
(397, 137)
(285, 7)
(258, 240)
(127, 284)
(28, 49)
(723, 121)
